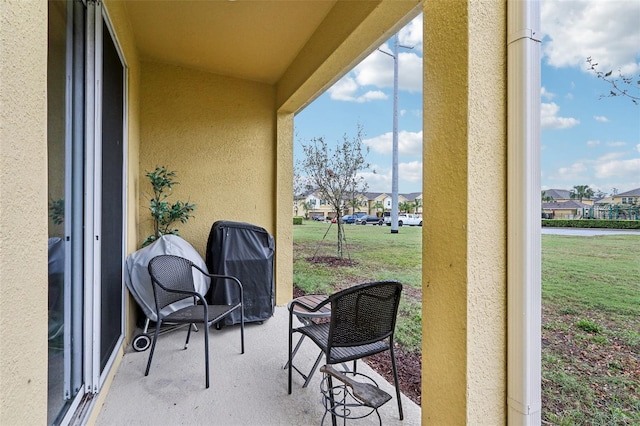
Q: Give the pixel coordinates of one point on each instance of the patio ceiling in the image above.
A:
(262, 40)
(254, 40)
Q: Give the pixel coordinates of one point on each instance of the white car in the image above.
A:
(405, 219)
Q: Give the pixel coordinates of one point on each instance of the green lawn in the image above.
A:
(591, 309)
(591, 330)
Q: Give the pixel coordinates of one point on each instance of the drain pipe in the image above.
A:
(524, 310)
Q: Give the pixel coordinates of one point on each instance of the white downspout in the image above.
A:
(523, 214)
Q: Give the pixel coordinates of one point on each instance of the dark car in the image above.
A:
(348, 219)
(359, 215)
(370, 219)
(318, 217)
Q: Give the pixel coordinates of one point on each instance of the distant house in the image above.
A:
(565, 210)
(624, 198)
(625, 205)
(373, 203)
(560, 195)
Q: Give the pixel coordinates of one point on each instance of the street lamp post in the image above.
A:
(394, 155)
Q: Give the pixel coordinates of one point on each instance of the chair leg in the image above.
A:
(332, 401)
(395, 379)
(153, 346)
(206, 353)
(186, 343)
(242, 328)
(289, 363)
(313, 369)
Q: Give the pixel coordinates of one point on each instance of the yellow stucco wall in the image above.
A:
(23, 228)
(464, 269)
(218, 134)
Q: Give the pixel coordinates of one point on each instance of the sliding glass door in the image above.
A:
(86, 104)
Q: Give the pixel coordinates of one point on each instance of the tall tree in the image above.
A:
(404, 206)
(334, 172)
(581, 191)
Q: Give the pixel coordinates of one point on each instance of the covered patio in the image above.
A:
(248, 389)
(211, 89)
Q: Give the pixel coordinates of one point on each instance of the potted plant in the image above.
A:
(164, 213)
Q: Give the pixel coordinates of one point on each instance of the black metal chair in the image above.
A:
(362, 323)
(172, 278)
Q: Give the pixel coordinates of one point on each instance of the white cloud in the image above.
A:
(377, 182)
(593, 143)
(601, 118)
(409, 143)
(611, 156)
(346, 89)
(411, 172)
(377, 69)
(380, 181)
(606, 31)
(616, 143)
(411, 34)
(546, 95)
(638, 147)
(550, 120)
(573, 173)
(621, 169)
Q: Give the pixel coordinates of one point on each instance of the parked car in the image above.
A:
(348, 219)
(405, 219)
(411, 220)
(370, 219)
(318, 217)
(359, 215)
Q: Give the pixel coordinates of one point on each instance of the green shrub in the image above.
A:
(588, 326)
(592, 223)
(297, 220)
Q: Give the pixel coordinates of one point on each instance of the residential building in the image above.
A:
(565, 210)
(626, 198)
(312, 204)
(93, 94)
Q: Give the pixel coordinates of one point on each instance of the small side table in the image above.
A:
(307, 317)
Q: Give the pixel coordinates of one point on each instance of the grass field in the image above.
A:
(591, 310)
(376, 255)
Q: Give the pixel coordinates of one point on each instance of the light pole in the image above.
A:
(394, 155)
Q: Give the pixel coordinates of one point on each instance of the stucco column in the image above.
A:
(284, 202)
(464, 252)
(23, 228)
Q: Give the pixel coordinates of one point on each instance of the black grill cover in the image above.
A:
(246, 252)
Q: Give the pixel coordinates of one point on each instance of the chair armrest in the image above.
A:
(305, 306)
(224, 277)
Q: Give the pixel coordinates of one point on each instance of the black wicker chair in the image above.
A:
(172, 278)
(362, 323)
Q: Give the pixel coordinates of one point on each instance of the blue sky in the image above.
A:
(585, 139)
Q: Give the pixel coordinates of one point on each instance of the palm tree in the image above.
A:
(546, 198)
(581, 192)
(417, 203)
(379, 206)
(404, 206)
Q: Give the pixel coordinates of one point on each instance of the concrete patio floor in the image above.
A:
(249, 389)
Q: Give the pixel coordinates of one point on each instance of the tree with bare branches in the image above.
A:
(333, 172)
(622, 85)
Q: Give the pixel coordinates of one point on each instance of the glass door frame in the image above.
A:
(84, 170)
